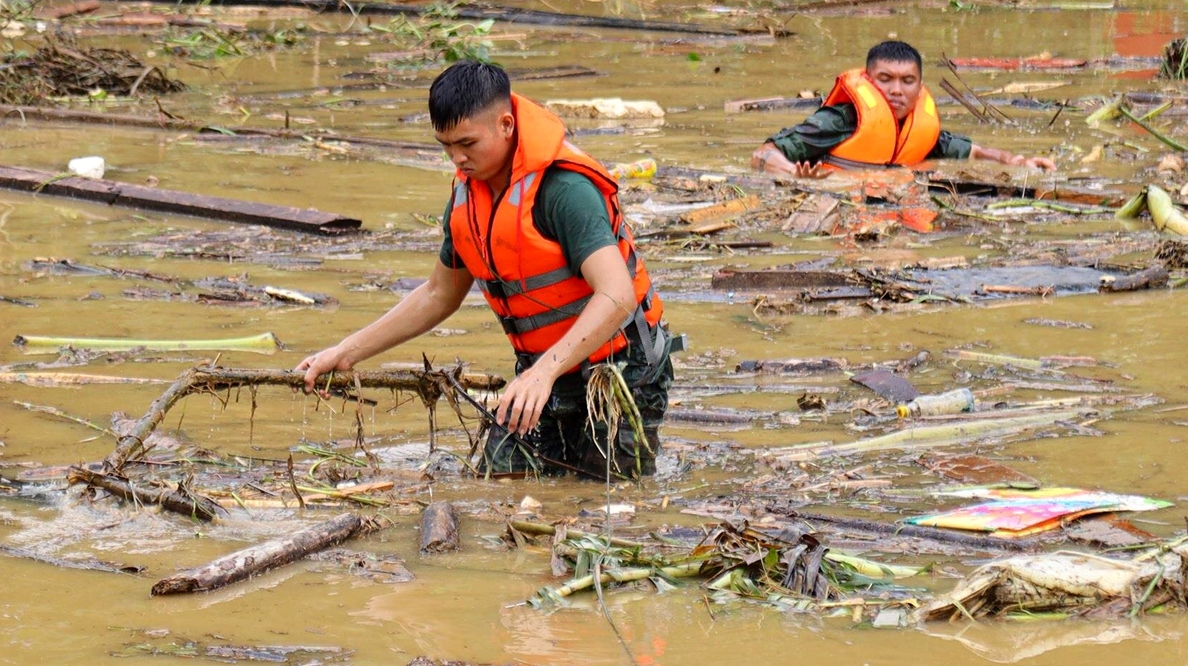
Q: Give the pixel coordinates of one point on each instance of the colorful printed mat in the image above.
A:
(1016, 512)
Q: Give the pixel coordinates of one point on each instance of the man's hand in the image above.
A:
(316, 365)
(1005, 157)
(524, 400)
(816, 170)
(1037, 163)
(769, 159)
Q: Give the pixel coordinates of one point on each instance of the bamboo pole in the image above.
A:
(265, 343)
(550, 530)
(60, 379)
(929, 436)
(619, 575)
(257, 559)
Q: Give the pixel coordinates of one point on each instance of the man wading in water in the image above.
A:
(536, 222)
(877, 117)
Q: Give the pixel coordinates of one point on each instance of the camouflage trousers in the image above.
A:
(563, 440)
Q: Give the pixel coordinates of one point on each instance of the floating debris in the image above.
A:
(63, 69)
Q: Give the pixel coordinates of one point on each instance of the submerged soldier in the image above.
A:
(536, 223)
(875, 117)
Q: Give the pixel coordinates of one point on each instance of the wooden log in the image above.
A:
(173, 500)
(243, 564)
(73, 9)
(1149, 278)
(736, 280)
(172, 201)
(439, 528)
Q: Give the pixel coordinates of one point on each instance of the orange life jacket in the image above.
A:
(524, 275)
(879, 140)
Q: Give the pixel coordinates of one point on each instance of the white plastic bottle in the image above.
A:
(951, 402)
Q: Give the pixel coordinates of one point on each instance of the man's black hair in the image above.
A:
(893, 51)
(465, 89)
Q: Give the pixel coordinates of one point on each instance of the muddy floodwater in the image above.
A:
(470, 605)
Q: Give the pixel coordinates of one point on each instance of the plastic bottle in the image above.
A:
(951, 402)
(645, 168)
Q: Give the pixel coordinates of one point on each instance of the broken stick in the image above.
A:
(245, 563)
(439, 528)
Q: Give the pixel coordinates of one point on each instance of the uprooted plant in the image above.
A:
(789, 569)
(1175, 60)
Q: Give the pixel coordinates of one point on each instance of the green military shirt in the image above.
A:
(569, 209)
(811, 140)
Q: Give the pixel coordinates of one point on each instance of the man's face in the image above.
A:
(481, 146)
(900, 83)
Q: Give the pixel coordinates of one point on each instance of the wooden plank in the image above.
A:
(171, 201)
(818, 213)
(742, 280)
(723, 210)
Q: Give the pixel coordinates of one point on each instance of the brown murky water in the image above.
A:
(467, 606)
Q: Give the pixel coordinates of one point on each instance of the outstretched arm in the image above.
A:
(427, 306)
(1006, 157)
(770, 159)
(521, 404)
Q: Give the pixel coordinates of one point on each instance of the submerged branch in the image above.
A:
(428, 384)
(176, 501)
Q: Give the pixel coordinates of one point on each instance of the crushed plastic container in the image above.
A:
(87, 167)
(641, 169)
(950, 402)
